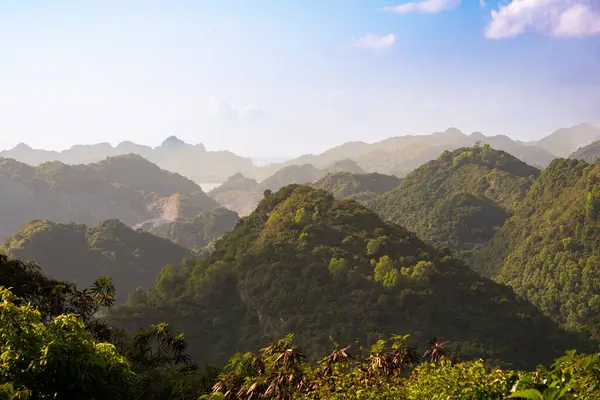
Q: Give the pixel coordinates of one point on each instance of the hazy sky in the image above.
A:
(284, 77)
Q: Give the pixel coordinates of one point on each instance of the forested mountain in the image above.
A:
(361, 187)
(80, 254)
(198, 232)
(128, 188)
(243, 194)
(345, 165)
(459, 200)
(237, 193)
(564, 141)
(549, 251)
(293, 174)
(321, 268)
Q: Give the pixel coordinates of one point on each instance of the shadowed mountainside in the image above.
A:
(128, 188)
(80, 254)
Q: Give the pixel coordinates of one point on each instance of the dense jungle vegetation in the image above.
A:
(326, 269)
(55, 346)
(313, 295)
(460, 199)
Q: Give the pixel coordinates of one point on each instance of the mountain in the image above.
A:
(459, 200)
(345, 165)
(128, 188)
(401, 154)
(549, 251)
(192, 161)
(197, 232)
(80, 254)
(293, 174)
(243, 194)
(565, 141)
(331, 270)
(237, 193)
(393, 156)
(589, 153)
(359, 187)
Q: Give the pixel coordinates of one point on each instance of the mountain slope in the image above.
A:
(321, 268)
(81, 254)
(460, 199)
(589, 153)
(564, 141)
(293, 174)
(549, 252)
(128, 188)
(237, 193)
(356, 186)
(401, 154)
(198, 232)
(243, 194)
(345, 165)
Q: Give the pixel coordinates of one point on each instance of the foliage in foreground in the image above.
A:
(52, 345)
(52, 340)
(58, 357)
(393, 370)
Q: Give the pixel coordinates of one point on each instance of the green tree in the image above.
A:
(58, 360)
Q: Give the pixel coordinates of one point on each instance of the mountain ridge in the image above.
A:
(396, 155)
(128, 188)
(326, 269)
(80, 254)
(460, 199)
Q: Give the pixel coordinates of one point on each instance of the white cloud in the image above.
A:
(423, 6)
(377, 43)
(482, 3)
(565, 18)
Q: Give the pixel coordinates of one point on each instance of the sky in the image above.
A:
(278, 78)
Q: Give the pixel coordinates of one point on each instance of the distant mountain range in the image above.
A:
(192, 161)
(394, 156)
(401, 154)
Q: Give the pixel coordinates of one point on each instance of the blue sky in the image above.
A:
(281, 78)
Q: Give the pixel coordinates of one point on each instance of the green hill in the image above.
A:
(128, 188)
(242, 194)
(200, 231)
(237, 193)
(549, 252)
(134, 171)
(293, 174)
(356, 186)
(80, 254)
(345, 165)
(459, 200)
(589, 153)
(327, 269)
